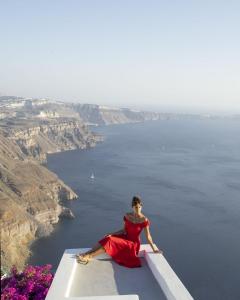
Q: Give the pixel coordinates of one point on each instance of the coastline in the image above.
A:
(32, 197)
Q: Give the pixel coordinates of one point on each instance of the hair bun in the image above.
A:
(136, 200)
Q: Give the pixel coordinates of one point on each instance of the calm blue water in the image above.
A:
(188, 175)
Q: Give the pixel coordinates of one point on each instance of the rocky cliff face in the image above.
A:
(105, 115)
(29, 202)
(30, 194)
(89, 113)
(36, 138)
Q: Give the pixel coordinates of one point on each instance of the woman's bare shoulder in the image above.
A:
(129, 214)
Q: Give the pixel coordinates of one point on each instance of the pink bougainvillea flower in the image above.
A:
(33, 283)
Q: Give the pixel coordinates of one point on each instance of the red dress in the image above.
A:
(124, 248)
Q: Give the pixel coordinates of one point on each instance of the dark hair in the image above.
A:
(136, 200)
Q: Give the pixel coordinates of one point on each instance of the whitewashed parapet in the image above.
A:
(170, 283)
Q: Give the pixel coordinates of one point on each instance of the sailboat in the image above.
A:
(92, 176)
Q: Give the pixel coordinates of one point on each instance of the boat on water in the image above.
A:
(92, 176)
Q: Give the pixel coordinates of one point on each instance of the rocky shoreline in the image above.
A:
(31, 196)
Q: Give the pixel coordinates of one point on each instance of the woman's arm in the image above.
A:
(150, 241)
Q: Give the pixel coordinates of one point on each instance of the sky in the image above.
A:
(164, 55)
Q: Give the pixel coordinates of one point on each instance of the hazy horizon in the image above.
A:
(154, 108)
(180, 57)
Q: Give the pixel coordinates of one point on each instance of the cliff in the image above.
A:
(31, 196)
(36, 138)
(106, 115)
(43, 109)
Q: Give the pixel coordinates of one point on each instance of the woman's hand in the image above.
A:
(156, 250)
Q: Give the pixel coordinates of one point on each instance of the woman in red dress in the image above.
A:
(123, 246)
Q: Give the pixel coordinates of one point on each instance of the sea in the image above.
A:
(187, 173)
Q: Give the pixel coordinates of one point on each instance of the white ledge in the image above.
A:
(102, 279)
